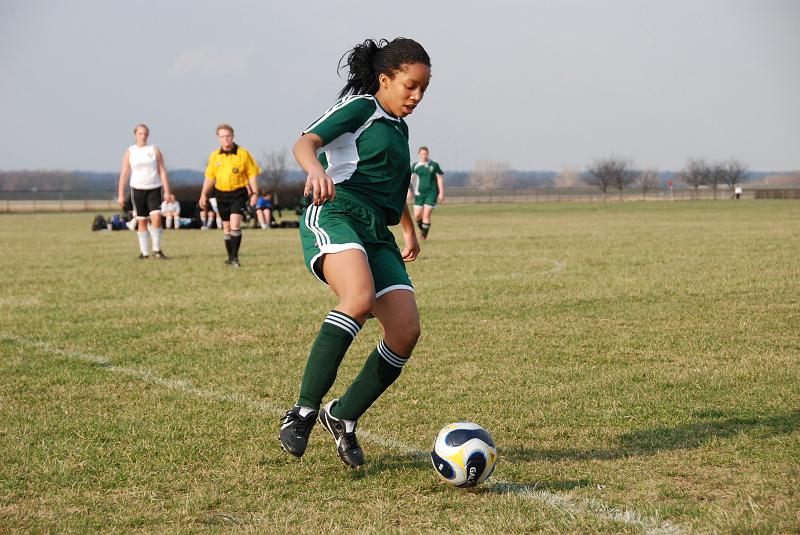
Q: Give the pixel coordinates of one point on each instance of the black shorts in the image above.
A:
(146, 201)
(231, 202)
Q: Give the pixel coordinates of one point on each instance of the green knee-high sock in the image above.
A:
(383, 366)
(425, 228)
(335, 336)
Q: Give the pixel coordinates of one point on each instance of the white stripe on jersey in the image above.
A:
(342, 152)
(339, 105)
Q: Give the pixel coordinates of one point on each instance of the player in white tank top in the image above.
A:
(144, 165)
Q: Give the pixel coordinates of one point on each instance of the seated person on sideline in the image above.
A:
(171, 210)
(264, 206)
(210, 214)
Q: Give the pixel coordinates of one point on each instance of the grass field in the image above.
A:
(637, 364)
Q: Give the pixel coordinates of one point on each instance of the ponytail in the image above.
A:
(368, 60)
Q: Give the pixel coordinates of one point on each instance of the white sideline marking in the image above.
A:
(558, 265)
(649, 525)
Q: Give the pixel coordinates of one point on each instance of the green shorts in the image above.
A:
(349, 223)
(427, 198)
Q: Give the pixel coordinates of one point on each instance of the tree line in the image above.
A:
(617, 174)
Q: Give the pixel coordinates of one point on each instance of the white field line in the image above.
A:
(563, 504)
(558, 266)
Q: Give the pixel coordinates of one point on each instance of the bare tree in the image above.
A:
(491, 175)
(733, 172)
(274, 168)
(625, 175)
(695, 174)
(613, 172)
(599, 174)
(647, 180)
(716, 172)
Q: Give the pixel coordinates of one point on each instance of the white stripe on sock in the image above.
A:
(345, 318)
(390, 357)
(345, 327)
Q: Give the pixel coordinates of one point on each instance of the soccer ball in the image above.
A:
(464, 454)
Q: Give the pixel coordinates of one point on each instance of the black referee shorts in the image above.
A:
(231, 202)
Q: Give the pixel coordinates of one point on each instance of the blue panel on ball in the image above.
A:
(460, 436)
(442, 466)
(475, 466)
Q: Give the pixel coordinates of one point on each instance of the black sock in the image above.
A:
(236, 241)
(425, 227)
(228, 245)
(419, 223)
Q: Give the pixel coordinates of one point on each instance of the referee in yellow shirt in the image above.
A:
(233, 173)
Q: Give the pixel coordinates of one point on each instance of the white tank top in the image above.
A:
(144, 169)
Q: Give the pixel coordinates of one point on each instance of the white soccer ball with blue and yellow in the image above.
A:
(464, 454)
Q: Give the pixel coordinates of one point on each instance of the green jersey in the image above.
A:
(365, 151)
(426, 177)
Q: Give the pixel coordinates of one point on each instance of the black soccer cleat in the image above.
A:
(347, 448)
(295, 430)
(235, 262)
(143, 256)
(159, 255)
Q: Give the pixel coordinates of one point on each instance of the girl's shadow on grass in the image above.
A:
(654, 440)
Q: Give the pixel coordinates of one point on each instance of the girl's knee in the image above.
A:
(359, 306)
(404, 336)
(414, 331)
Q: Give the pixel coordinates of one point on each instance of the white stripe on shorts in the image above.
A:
(326, 237)
(309, 219)
(393, 288)
(312, 222)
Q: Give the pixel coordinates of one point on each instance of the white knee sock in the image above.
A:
(155, 236)
(142, 241)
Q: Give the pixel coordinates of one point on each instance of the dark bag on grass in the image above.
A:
(118, 222)
(99, 222)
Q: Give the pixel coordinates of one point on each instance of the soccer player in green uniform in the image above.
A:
(357, 194)
(428, 192)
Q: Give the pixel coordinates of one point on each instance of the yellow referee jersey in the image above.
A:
(231, 170)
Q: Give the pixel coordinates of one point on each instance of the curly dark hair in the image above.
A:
(368, 60)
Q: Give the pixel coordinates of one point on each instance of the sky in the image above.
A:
(538, 84)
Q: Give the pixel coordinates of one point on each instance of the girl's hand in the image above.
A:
(321, 186)
(411, 249)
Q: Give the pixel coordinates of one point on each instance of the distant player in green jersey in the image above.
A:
(428, 180)
(358, 189)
